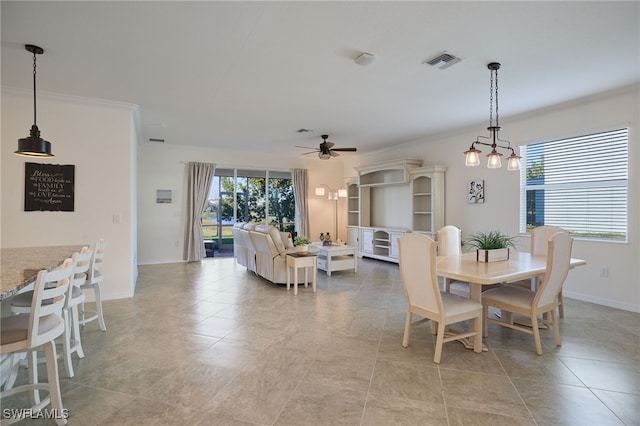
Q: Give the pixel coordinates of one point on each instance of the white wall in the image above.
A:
(621, 288)
(99, 138)
(162, 166)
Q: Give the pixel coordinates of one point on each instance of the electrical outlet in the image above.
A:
(604, 271)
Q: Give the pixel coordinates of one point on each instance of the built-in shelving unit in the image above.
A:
(425, 214)
(353, 204)
(427, 191)
(387, 173)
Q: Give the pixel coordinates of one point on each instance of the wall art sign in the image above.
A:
(475, 192)
(49, 187)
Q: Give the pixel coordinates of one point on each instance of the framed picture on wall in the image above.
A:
(475, 192)
(49, 187)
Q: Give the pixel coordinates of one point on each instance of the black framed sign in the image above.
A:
(49, 187)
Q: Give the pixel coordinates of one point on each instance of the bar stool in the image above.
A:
(21, 304)
(93, 283)
(38, 330)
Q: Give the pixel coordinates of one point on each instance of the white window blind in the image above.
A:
(579, 184)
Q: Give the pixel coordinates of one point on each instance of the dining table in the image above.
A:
(519, 266)
(19, 266)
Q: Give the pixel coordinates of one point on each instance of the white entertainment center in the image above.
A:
(387, 200)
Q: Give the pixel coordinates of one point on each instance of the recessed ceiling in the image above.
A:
(248, 75)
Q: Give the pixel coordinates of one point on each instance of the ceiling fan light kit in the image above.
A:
(326, 149)
(33, 145)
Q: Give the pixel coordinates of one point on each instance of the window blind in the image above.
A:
(579, 184)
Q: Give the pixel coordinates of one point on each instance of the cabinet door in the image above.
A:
(393, 244)
(366, 240)
(352, 237)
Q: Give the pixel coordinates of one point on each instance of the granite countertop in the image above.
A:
(20, 266)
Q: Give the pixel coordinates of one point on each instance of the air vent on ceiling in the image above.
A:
(303, 130)
(446, 59)
(156, 140)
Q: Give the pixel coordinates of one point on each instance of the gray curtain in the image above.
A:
(199, 181)
(300, 180)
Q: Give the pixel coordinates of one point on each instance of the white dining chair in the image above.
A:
(37, 330)
(538, 247)
(450, 244)
(93, 282)
(530, 303)
(424, 298)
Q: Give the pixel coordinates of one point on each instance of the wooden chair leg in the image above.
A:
(560, 304)
(32, 368)
(407, 329)
(556, 327)
(536, 334)
(66, 343)
(75, 321)
(54, 382)
(439, 342)
(103, 327)
(477, 339)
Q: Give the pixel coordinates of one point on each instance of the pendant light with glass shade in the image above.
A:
(494, 161)
(34, 145)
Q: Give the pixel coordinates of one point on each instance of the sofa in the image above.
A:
(262, 249)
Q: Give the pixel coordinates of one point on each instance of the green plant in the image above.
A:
(491, 240)
(301, 240)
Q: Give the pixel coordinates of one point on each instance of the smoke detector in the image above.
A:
(445, 60)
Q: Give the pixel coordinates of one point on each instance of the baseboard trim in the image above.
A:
(600, 301)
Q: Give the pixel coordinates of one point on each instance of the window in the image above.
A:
(579, 184)
(261, 196)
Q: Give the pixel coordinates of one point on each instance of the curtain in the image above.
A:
(300, 180)
(199, 181)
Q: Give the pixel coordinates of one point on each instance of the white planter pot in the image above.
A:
(303, 249)
(495, 255)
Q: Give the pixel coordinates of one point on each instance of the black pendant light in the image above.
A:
(34, 145)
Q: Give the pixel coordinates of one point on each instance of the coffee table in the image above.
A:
(336, 258)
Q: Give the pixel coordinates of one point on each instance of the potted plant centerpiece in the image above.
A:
(491, 246)
(302, 243)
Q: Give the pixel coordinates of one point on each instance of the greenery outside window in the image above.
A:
(579, 184)
(236, 195)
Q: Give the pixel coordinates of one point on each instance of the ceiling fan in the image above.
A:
(326, 150)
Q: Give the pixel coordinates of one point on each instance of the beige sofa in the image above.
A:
(262, 249)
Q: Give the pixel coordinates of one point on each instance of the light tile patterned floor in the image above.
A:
(211, 344)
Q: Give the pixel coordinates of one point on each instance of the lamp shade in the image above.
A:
(319, 190)
(493, 160)
(513, 163)
(342, 193)
(34, 145)
(472, 157)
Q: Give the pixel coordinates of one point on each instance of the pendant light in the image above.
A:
(472, 157)
(34, 145)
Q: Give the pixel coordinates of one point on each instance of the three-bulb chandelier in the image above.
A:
(493, 158)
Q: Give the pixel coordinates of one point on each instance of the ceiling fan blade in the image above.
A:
(306, 147)
(334, 154)
(345, 149)
(310, 152)
(327, 144)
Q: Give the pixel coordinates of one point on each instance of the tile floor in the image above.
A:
(211, 344)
